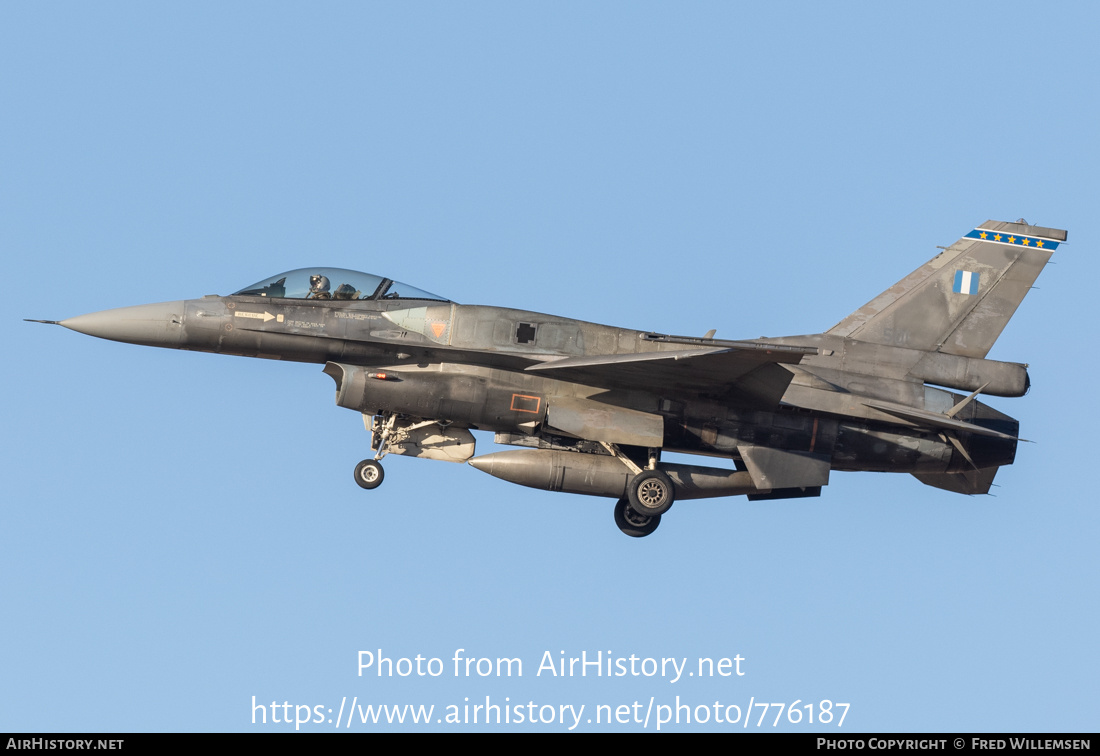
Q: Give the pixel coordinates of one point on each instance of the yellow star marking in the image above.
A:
(1027, 241)
(1012, 240)
(982, 234)
(996, 237)
(1039, 243)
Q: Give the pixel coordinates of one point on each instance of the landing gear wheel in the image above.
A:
(632, 523)
(651, 493)
(369, 474)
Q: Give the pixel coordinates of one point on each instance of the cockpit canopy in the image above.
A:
(333, 283)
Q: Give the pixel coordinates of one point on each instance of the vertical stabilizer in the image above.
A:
(959, 301)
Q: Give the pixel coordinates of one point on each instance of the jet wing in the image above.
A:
(748, 369)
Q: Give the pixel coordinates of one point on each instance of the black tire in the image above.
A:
(632, 523)
(651, 493)
(369, 474)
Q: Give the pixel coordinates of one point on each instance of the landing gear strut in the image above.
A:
(633, 524)
(369, 473)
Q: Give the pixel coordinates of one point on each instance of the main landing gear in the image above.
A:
(649, 494)
(633, 524)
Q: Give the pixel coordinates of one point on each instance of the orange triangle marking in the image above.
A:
(438, 329)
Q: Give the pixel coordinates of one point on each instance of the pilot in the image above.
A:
(318, 287)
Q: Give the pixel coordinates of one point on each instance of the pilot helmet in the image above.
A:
(318, 284)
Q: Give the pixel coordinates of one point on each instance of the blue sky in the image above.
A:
(181, 531)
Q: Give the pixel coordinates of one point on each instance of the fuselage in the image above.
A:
(467, 366)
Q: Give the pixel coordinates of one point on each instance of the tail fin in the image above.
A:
(959, 301)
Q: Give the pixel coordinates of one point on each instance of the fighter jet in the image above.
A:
(593, 407)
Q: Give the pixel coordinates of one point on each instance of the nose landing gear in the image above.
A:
(369, 474)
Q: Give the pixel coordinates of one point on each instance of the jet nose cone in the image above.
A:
(152, 324)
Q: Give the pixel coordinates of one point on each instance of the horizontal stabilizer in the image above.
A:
(968, 482)
(938, 421)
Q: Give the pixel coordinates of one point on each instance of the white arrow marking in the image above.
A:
(264, 316)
